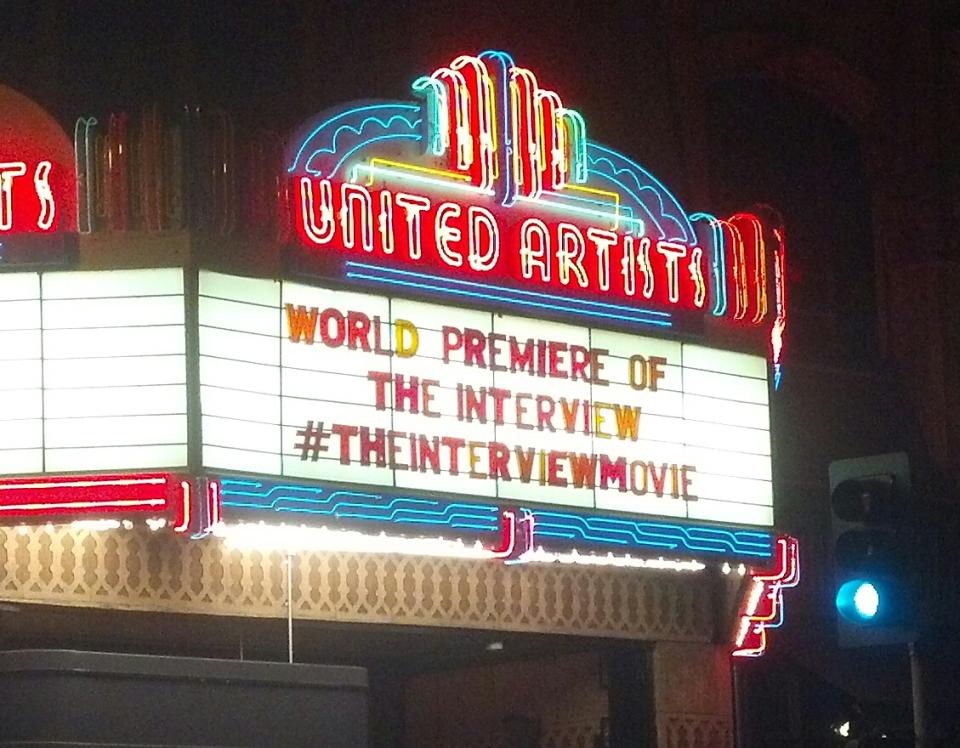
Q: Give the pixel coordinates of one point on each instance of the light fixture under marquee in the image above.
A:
(508, 532)
(293, 539)
(575, 558)
(300, 538)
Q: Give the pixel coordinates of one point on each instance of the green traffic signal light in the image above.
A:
(858, 601)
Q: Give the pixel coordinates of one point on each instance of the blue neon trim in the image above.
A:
(282, 498)
(779, 602)
(633, 169)
(450, 520)
(468, 526)
(454, 521)
(395, 514)
(348, 113)
(636, 199)
(309, 489)
(426, 88)
(621, 532)
(338, 508)
(401, 136)
(613, 537)
(490, 286)
(504, 126)
(569, 535)
(506, 300)
(719, 260)
(333, 149)
(682, 220)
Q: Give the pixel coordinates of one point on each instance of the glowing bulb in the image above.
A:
(866, 600)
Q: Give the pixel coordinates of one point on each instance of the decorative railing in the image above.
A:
(140, 570)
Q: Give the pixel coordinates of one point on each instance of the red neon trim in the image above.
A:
(528, 531)
(184, 517)
(213, 502)
(508, 529)
(780, 274)
(764, 603)
(66, 496)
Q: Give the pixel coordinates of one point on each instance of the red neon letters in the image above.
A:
(26, 200)
(485, 242)
(37, 173)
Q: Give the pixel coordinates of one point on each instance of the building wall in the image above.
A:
(558, 701)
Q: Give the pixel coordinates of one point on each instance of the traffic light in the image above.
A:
(875, 574)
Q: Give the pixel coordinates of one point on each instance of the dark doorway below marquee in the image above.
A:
(427, 686)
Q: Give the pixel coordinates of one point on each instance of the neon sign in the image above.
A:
(37, 178)
(257, 499)
(490, 188)
(55, 499)
(763, 606)
(47, 208)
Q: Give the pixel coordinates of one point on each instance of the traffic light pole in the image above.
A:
(919, 700)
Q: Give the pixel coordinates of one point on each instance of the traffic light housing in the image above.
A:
(874, 569)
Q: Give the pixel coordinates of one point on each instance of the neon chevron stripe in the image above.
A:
(280, 498)
(627, 533)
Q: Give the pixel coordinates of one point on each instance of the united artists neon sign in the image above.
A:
(471, 240)
(489, 188)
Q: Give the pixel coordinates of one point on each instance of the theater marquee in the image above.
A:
(482, 335)
(486, 327)
(379, 391)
